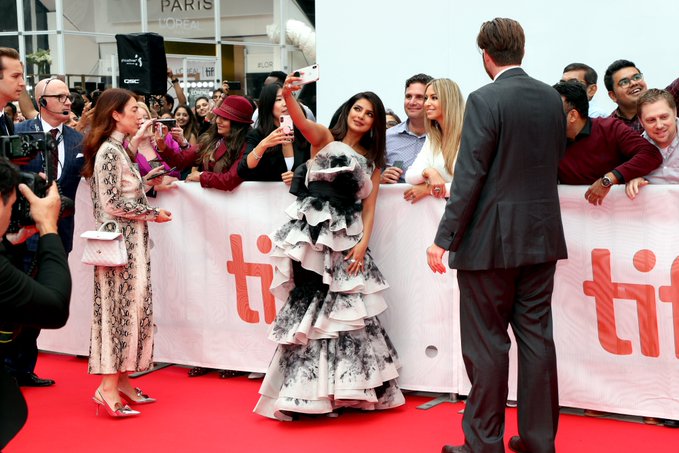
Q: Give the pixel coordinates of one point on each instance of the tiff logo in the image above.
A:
(605, 290)
(241, 270)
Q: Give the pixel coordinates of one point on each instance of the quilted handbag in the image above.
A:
(105, 248)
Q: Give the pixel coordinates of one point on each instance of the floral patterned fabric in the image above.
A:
(333, 351)
(122, 326)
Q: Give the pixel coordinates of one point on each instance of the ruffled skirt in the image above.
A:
(333, 352)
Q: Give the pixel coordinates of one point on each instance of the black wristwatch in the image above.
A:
(175, 80)
(606, 181)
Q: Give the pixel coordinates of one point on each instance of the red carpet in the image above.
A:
(209, 414)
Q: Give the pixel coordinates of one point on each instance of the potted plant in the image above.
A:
(42, 59)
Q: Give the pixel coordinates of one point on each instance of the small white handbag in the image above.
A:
(105, 248)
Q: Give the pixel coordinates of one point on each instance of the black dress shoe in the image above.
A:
(455, 449)
(31, 380)
(516, 445)
(671, 423)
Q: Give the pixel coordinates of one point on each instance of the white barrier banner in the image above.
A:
(616, 309)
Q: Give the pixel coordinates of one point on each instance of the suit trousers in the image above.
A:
(490, 300)
(21, 354)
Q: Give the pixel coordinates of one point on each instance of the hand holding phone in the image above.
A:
(161, 173)
(307, 75)
(169, 122)
(287, 124)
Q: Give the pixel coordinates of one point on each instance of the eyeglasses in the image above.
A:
(60, 97)
(624, 83)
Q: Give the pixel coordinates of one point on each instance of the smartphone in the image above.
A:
(286, 124)
(170, 123)
(308, 75)
(398, 164)
(155, 163)
(162, 173)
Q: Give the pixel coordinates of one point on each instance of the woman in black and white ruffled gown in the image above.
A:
(333, 351)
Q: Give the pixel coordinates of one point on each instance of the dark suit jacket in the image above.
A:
(70, 172)
(43, 302)
(272, 165)
(8, 125)
(504, 207)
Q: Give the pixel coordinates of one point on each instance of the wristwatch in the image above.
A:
(606, 181)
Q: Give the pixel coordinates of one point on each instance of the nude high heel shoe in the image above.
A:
(119, 410)
(138, 398)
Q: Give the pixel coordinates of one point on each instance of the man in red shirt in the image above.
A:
(600, 151)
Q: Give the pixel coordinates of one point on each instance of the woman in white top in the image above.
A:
(432, 170)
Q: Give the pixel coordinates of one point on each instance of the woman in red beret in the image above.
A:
(219, 151)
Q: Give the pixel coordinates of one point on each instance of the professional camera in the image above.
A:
(20, 150)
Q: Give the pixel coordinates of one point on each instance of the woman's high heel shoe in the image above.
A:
(119, 410)
(139, 397)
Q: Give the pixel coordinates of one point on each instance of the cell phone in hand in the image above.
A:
(162, 173)
(398, 164)
(155, 162)
(169, 122)
(287, 125)
(308, 75)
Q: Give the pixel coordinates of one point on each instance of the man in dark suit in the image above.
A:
(12, 84)
(54, 102)
(43, 301)
(502, 226)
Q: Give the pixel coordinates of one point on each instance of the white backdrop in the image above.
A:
(197, 296)
(376, 46)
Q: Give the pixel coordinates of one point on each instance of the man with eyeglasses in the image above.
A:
(54, 111)
(600, 152)
(625, 85)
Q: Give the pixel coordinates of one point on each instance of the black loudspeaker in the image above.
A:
(142, 63)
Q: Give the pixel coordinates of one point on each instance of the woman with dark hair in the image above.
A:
(217, 156)
(273, 152)
(332, 350)
(122, 326)
(221, 149)
(186, 120)
(201, 107)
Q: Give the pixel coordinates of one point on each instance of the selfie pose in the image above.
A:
(146, 143)
(332, 350)
(122, 326)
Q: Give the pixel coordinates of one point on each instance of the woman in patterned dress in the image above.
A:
(332, 350)
(122, 327)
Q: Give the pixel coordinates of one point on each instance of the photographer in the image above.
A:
(54, 101)
(41, 302)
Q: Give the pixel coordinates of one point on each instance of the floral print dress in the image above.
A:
(333, 351)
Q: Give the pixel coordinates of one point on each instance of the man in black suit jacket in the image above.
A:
(502, 226)
(54, 102)
(41, 302)
(12, 84)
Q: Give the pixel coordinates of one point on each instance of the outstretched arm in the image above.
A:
(317, 134)
(179, 91)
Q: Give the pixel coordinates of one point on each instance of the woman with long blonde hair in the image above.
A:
(433, 167)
